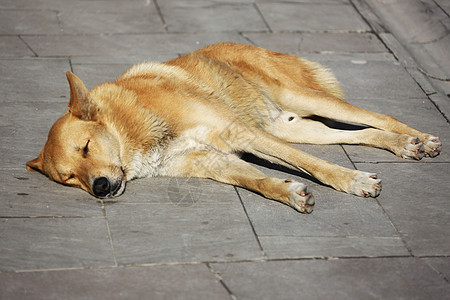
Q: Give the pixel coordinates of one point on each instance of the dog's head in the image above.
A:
(80, 150)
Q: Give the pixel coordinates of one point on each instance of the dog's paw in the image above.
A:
(365, 185)
(412, 148)
(432, 146)
(299, 198)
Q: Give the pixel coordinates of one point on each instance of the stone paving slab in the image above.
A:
(29, 22)
(249, 247)
(95, 74)
(374, 79)
(122, 45)
(49, 243)
(440, 265)
(122, 60)
(300, 43)
(287, 16)
(155, 282)
(24, 135)
(119, 17)
(211, 16)
(180, 220)
(415, 197)
(341, 224)
(30, 73)
(391, 278)
(26, 194)
(13, 46)
(442, 103)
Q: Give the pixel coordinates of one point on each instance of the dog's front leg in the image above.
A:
(343, 179)
(230, 169)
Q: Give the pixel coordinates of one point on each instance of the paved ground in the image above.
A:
(197, 239)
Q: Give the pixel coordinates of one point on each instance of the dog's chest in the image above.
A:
(163, 160)
(145, 164)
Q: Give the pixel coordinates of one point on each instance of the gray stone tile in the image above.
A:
(123, 45)
(93, 17)
(208, 16)
(155, 282)
(295, 43)
(178, 191)
(46, 243)
(26, 194)
(440, 264)
(393, 278)
(418, 113)
(93, 75)
(341, 42)
(29, 22)
(96, 70)
(443, 103)
(33, 79)
(34, 4)
(303, 1)
(11, 46)
(415, 197)
(188, 222)
(357, 58)
(24, 128)
(312, 17)
(373, 79)
(292, 247)
(121, 60)
(341, 224)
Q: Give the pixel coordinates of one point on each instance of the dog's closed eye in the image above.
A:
(86, 149)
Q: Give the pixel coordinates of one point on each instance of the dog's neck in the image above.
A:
(140, 134)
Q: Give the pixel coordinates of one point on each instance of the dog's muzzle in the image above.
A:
(104, 188)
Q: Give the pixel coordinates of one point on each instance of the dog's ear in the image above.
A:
(36, 164)
(80, 105)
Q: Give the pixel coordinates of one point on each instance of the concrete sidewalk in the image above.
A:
(173, 238)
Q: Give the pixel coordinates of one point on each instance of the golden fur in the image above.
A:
(193, 115)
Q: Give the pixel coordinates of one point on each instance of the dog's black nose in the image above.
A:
(101, 187)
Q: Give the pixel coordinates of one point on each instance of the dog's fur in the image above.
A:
(191, 116)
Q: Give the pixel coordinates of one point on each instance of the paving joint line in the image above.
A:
(161, 16)
(51, 217)
(262, 17)
(113, 252)
(143, 265)
(250, 222)
(397, 57)
(221, 281)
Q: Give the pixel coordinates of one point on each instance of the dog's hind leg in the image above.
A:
(230, 169)
(318, 103)
(291, 128)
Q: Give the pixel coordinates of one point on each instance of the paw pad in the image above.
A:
(299, 198)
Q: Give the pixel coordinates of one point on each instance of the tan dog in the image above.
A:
(191, 116)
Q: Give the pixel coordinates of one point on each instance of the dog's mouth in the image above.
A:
(105, 188)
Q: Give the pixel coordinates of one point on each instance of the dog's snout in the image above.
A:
(101, 187)
(106, 188)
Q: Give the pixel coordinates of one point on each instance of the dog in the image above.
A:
(194, 115)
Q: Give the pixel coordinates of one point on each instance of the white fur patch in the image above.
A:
(157, 69)
(162, 161)
(192, 140)
(147, 165)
